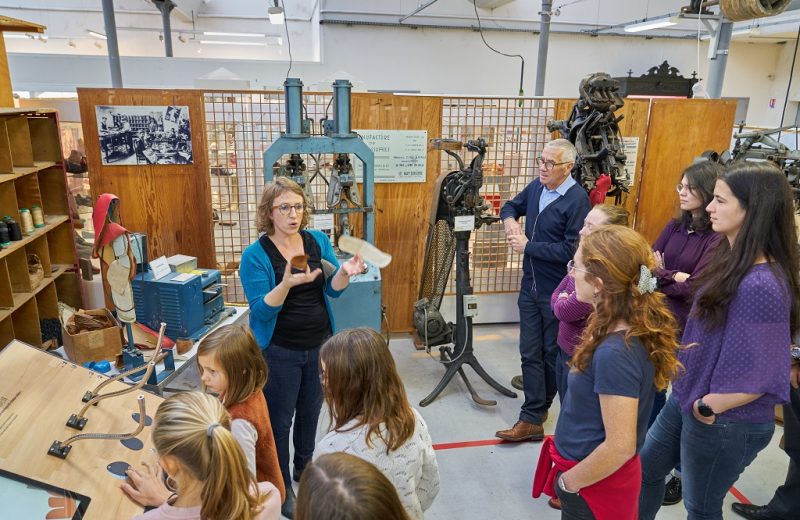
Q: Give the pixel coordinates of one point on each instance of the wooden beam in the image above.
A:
(15, 25)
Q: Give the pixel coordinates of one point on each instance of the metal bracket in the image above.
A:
(76, 422)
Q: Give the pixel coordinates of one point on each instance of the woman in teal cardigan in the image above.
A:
(288, 276)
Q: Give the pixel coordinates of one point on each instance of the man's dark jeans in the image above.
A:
(538, 331)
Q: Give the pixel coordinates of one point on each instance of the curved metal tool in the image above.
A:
(78, 421)
(61, 449)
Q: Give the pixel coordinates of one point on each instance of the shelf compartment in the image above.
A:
(17, 263)
(44, 132)
(6, 332)
(40, 249)
(68, 289)
(47, 308)
(6, 163)
(26, 323)
(53, 188)
(61, 244)
(19, 139)
(27, 188)
(26, 170)
(8, 200)
(6, 296)
(51, 222)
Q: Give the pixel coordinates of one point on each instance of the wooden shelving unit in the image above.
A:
(32, 173)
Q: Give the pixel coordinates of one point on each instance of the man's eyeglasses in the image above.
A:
(546, 165)
(691, 187)
(286, 209)
(571, 268)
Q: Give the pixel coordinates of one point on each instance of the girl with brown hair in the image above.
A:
(627, 352)
(198, 452)
(339, 486)
(372, 419)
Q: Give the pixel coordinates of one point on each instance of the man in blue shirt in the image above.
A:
(554, 205)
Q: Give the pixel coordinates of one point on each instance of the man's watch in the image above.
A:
(704, 409)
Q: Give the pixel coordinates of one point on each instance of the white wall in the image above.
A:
(437, 62)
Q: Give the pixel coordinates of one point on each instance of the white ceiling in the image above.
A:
(139, 23)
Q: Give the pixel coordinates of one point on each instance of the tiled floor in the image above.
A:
(494, 481)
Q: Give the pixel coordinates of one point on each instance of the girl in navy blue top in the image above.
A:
(627, 352)
(290, 316)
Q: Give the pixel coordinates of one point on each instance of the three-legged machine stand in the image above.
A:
(462, 353)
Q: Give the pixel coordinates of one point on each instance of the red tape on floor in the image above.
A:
(493, 442)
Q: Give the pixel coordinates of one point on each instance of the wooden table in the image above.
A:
(38, 392)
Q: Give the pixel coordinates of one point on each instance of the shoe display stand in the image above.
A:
(32, 174)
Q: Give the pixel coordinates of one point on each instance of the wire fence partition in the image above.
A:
(240, 125)
(515, 131)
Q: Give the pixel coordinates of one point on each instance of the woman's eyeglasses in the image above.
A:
(571, 268)
(286, 209)
(690, 187)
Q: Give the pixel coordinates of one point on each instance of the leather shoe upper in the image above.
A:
(753, 512)
(522, 431)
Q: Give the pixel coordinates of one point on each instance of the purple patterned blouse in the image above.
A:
(748, 354)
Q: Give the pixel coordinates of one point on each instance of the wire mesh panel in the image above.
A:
(515, 131)
(240, 126)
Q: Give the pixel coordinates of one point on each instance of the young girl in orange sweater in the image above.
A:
(231, 365)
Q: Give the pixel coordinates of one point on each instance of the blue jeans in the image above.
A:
(562, 373)
(659, 400)
(538, 331)
(293, 390)
(712, 458)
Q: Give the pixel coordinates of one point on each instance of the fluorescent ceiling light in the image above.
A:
(243, 35)
(655, 23)
(275, 15)
(97, 34)
(16, 36)
(215, 42)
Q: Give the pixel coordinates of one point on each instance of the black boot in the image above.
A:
(287, 509)
(753, 512)
(674, 491)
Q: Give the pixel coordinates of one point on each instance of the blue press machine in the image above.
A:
(360, 304)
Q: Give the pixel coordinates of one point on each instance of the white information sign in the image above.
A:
(631, 147)
(400, 155)
(160, 267)
(322, 221)
(464, 223)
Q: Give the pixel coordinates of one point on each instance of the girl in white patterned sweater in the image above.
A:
(372, 419)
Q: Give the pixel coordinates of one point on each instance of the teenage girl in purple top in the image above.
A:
(721, 411)
(571, 313)
(682, 250)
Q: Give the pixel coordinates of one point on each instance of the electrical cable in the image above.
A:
(789, 86)
(288, 41)
(480, 31)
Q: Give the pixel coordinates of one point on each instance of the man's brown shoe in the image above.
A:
(522, 431)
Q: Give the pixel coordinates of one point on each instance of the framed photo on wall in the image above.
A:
(144, 135)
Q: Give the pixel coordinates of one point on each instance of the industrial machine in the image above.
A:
(189, 303)
(457, 209)
(360, 304)
(594, 130)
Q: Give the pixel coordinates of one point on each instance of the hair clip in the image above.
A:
(647, 282)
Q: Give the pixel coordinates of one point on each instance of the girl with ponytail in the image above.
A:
(627, 352)
(197, 451)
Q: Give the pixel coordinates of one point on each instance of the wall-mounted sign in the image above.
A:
(400, 155)
(630, 146)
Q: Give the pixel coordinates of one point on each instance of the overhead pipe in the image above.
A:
(719, 60)
(166, 7)
(111, 43)
(544, 43)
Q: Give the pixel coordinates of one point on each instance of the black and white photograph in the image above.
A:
(144, 134)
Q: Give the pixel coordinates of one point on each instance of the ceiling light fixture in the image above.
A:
(655, 23)
(215, 42)
(276, 15)
(16, 36)
(97, 34)
(242, 35)
(72, 44)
